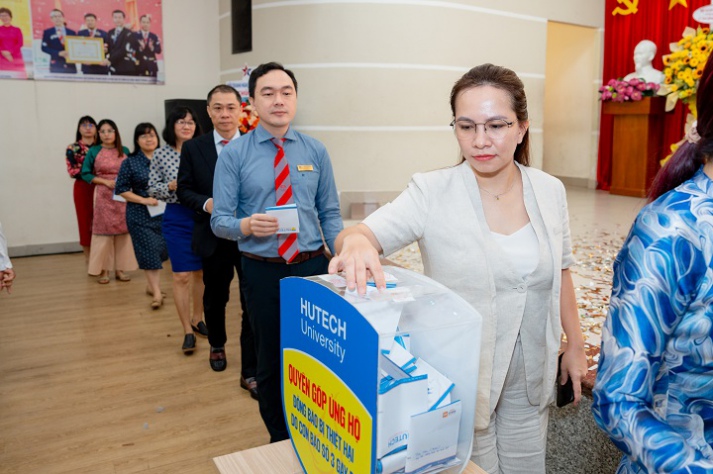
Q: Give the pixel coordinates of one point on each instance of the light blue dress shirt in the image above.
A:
(654, 390)
(244, 184)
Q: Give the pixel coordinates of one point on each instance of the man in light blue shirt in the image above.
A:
(244, 187)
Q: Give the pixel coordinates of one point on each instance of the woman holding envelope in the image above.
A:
(496, 232)
(143, 216)
(111, 245)
(177, 228)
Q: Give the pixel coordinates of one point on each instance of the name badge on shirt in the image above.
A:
(305, 168)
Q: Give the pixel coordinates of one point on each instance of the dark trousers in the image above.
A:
(217, 276)
(262, 289)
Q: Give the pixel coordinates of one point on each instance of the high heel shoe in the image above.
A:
(122, 277)
(157, 303)
(201, 329)
(189, 344)
(150, 293)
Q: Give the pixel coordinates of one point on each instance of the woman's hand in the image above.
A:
(358, 259)
(6, 278)
(574, 366)
(173, 185)
(149, 202)
(108, 183)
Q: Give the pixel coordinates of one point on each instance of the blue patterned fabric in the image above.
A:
(654, 390)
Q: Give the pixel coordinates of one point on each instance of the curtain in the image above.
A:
(653, 21)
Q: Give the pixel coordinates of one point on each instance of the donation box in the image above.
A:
(382, 383)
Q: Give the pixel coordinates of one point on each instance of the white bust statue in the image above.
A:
(644, 53)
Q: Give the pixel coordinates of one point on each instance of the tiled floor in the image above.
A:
(599, 223)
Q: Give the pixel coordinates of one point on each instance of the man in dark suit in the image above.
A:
(148, 46)
(122, 49)
(195, 190)
(91, 31)
(53, 44)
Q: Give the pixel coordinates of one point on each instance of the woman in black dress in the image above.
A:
(132, 184)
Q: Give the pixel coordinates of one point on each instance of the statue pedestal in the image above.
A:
(637, 144)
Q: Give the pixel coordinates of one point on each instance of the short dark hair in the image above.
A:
(90, 15)
(141, 129)
(6, 10)
(145, 16)
(176, 114)
(118, 11)
(506, 80)
(56, 10)
(225, 89)
(263, 69)
(117, 136)
(87, 119)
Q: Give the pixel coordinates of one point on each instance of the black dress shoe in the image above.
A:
(250, 385)
(189, 344)
(217, 359)
(201, 329)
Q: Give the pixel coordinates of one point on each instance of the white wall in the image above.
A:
(39, 119)
(374, 77)
(571, 120)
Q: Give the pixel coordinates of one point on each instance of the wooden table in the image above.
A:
(281, 459)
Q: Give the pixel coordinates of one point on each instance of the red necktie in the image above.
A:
(287, 243)
(224, 142)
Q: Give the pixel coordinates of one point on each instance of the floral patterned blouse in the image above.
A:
(74, 157)
(654, 390)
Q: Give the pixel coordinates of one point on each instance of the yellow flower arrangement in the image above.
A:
(684, 66)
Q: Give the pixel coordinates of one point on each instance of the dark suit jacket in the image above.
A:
(53, 46)
(195, 187)
(146, 57)
(122, 52)
(96, 68)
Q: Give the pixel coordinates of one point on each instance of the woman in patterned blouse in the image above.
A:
(177, 227)
(654, 390)
(86, 137)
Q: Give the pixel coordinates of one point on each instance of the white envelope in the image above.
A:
(433, 439)
(401, 357)
(439, 386)
(287, 218)
(118, 197)
(157, 210)
(395, 405)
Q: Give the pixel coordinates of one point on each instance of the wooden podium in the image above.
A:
(636, 144)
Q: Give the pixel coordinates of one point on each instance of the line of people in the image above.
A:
(491, 228)
(118, 195)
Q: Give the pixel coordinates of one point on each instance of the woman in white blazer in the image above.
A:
(496, 232)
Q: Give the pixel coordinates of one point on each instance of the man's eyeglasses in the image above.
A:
(495, 129)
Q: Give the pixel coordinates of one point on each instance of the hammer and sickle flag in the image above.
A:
(631, 7)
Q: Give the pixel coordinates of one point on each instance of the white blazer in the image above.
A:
(442, 210)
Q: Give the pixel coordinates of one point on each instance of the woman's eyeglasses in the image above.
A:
(495, 129)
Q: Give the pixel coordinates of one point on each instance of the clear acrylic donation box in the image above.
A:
(382, 383)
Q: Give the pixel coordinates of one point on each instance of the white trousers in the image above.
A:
(515, 441)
